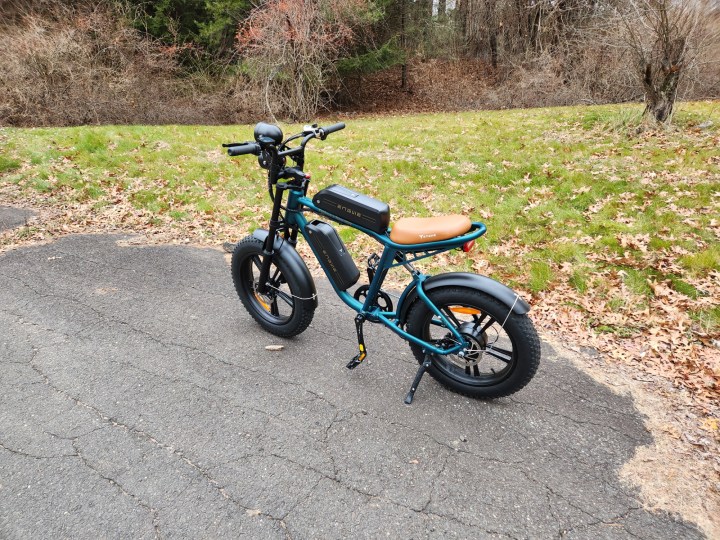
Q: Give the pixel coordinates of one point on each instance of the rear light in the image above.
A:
(467, 246)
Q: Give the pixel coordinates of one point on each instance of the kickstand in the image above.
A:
(359, 357)
(420, 372)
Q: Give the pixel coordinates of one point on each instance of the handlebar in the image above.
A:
(274, 152)
(239, 149)
(242, 149)
(325, 131)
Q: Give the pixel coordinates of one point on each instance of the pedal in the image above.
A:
(372, 264)
(359, 357)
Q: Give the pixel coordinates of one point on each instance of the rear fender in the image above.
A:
(467, 280)
(292, 260)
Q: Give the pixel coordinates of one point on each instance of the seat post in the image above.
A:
(386, 261)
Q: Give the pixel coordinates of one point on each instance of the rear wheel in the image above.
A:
(281, 310)
(503, 351)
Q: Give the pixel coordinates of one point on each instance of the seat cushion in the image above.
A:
(432, 229)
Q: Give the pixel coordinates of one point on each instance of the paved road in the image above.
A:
(137, 400)
(11, 218)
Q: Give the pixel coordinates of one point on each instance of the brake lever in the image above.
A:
(230, 145)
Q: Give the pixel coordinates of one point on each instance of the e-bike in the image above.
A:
(470, 332)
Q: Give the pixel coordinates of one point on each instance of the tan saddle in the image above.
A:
(432, 229)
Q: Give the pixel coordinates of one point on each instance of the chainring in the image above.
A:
(382, 300)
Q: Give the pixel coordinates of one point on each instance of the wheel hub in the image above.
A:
(477, 341)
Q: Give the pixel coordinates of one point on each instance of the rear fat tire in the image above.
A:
(287, 314)
(518, 331)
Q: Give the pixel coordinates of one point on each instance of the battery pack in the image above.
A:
(354, 207)
(331, 251)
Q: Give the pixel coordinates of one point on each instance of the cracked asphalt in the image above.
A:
(137, 400)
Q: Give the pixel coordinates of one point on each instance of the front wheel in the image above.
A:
(503, 348)
(282, 310)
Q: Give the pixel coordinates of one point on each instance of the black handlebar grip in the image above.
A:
(249, 148)
(332, 129)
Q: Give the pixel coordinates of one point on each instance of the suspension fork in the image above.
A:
(275, 223)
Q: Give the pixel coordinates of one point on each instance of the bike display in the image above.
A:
(468, 331)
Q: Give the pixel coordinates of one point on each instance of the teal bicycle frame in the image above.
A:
(453, 356)
(298, 203)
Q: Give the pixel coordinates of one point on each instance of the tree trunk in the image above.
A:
(403, 43)
(491, 17)
(493, 48)
(660, 95)
(424, 15)
(442, 10)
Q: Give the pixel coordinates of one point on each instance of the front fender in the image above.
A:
(467, 280)
(294, 262)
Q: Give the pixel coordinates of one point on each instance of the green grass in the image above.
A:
(8, 165)
(541, 275)
(708, 319)
(561, 188)
(703, 261)
(637, 281)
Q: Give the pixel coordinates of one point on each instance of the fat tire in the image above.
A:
(241, 265)
(519, 329)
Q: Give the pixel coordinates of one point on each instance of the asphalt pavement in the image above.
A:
(11, 218)
(137, 400)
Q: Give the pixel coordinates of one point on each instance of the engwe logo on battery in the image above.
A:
(349, 210)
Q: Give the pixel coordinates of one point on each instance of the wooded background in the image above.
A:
(227, 61)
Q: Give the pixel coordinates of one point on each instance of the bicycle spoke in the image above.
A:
(478, 320)
(285, 297)
(500, 354)
(488, 325)
(450, 315)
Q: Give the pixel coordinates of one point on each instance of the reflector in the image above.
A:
(465, 310)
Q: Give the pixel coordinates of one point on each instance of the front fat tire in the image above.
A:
(245, 273)
(519, 330)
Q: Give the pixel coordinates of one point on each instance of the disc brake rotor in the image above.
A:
(264, 299)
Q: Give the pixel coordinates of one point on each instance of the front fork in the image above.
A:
(268, 247)
(297, 180)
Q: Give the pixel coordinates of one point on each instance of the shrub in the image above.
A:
(291, 48)
(87, 65)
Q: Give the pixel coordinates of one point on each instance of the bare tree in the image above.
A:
(521, 27)
(663, 37)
